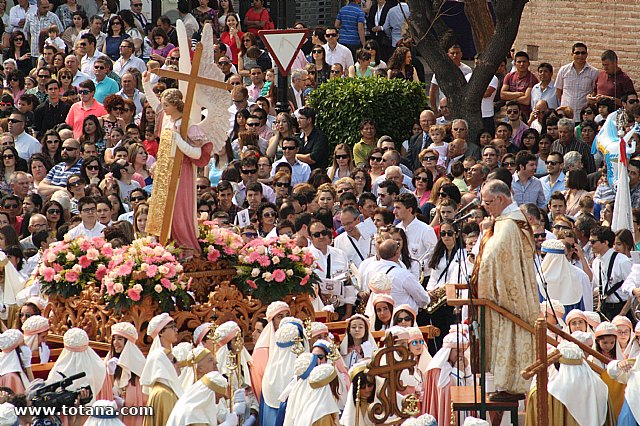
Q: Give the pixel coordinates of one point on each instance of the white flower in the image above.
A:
(70, 257)
(158, 288)
(289, 273)
(144, 267)
(163, 270)
(57, 278)
(255, 272)
(118, 288)
(275, 260)
(51, 257)
(267, 276)
(296, 250)
(77, 268)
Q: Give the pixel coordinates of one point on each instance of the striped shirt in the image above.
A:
(59, 174)
(350, 16)
(576, 86)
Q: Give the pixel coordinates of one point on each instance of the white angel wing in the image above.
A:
(215, 100)
(184, 64)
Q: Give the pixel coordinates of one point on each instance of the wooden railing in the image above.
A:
(543, 359)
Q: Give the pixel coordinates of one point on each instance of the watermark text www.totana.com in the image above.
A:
(84, 410)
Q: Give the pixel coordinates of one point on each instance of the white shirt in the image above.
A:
(338, 264)
(620, 272)
(449, 273)
(79, 78)
(405, 288)
(340, 55)
(81, 230)
(421, 239)
(301, 171)
(27, 145)
(298, 96)
(486, 106)
(348, 244)
(121, 66)
(86, 65)
(17, 13)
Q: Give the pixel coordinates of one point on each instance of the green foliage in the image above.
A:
(342, 103)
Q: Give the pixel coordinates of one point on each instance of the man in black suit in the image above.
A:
(422, 140)
(460, 130)
(294, 92)
(375, 22)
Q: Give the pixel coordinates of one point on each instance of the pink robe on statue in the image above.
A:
(12, 381)
(184, 224)
(260, 358)
(437, 401)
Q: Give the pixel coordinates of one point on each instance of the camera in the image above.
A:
(56, 395)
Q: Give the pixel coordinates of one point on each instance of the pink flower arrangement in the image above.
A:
(219, 243)
(271, 268)
(69, 265)
(144, 268)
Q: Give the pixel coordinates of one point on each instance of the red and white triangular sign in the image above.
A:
(283, 46)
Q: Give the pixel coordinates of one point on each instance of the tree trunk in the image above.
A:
(477, 12)
(465, 98)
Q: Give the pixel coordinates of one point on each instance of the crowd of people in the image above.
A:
(389, 222)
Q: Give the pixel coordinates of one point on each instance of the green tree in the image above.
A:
(341, 104)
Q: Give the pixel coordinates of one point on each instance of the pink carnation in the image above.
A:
(84, 261)
(71, 276)
(264, 261)
(213, 254)
(57, 267)
(124, 270)
(152, 271)
(252, 284)
(85, 245)
(133, 295)
(277, 252)
(305, 280)
(166, 283)
(101, 272)
(294, 257)
(279, 275)
(48, 273)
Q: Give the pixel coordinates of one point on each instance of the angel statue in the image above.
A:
(183, 148)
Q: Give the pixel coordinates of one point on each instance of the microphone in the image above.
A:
(473, 204)
(463, 218)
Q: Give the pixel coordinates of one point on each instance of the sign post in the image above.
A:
(284, 46)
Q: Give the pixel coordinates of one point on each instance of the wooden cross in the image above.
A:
(161, 227)
(396, 359)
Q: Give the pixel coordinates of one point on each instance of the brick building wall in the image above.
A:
(550, 27)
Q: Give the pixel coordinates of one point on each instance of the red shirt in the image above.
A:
(225, 37)
(252, 15)
(615, 85)
(151, 147)
(520, 84)
(78, 113)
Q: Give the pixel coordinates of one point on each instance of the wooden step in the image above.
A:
(463, 399)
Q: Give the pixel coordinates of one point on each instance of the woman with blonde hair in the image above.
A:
(343, 165)
(285, 126)
(140, 214)
(326, 196)
(429, 160)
